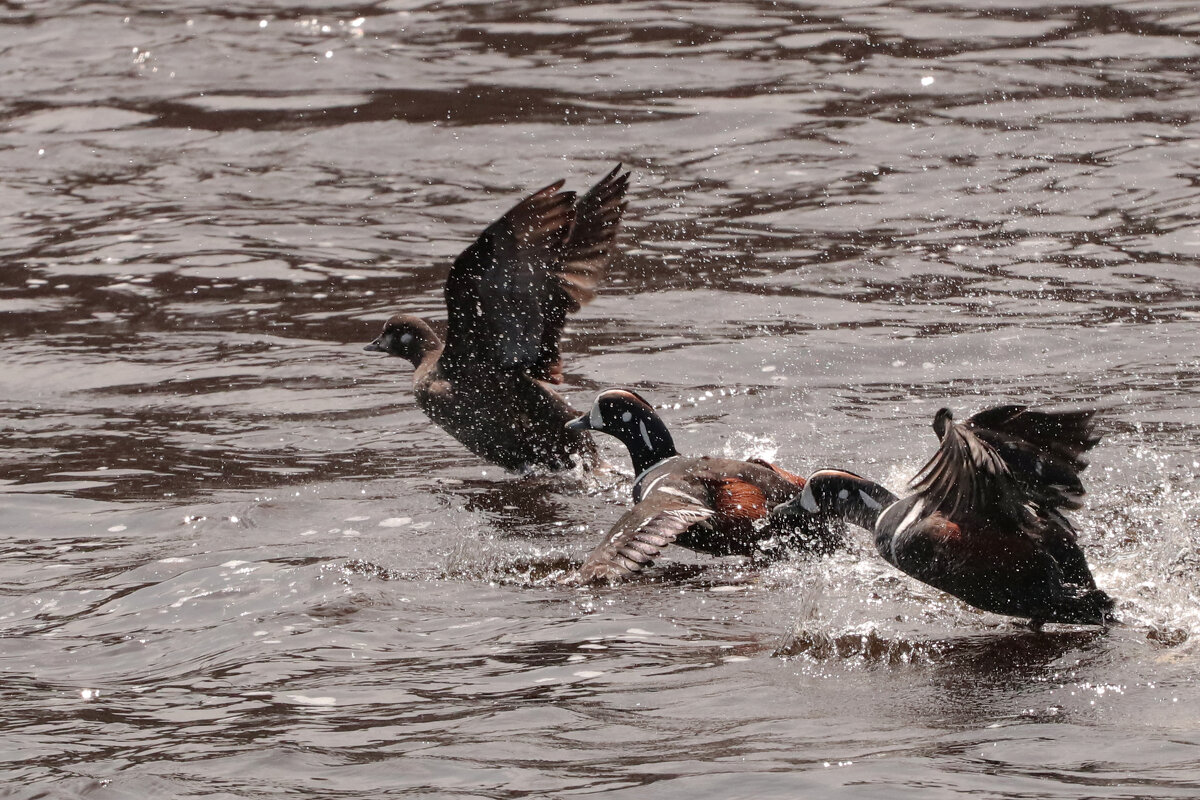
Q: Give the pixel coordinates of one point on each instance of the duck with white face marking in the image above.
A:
(490, 386)
(985, 522)
(712, 505)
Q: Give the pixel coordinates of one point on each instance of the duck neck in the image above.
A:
(871, 500)
(428, 352)
(420, 344)
(649, 442)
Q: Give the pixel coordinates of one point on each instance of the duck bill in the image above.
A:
(375, 346)
(580, 423)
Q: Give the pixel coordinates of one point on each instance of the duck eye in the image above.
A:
(406, 339)
(626, 416)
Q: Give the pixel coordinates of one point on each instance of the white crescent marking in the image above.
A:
(808, 502)
(596, 418)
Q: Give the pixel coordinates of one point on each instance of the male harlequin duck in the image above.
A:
(508, 296)
(712, 505)
(985, 522)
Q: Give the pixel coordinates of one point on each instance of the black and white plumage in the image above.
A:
(711, 505)
(985, 521)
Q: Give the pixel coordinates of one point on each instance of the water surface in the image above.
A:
(236, 561)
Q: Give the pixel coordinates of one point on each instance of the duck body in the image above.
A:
(707, 504)
(740, 493)
(491, 384)
(533, 432)
(982, 562)
(985, 522)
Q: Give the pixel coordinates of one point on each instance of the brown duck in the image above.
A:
(491, 384)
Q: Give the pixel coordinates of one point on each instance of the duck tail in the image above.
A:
(1103, 604)
(1094, 607)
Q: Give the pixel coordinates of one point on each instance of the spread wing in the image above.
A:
(1044, 453)
(1019, 469)
(509, 293)
(966, 475)
(498, 287)
(1043, 449)
(640, 536)
(589, 247)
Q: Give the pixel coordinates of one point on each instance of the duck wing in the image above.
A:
(497, 288)
(1044, 453)
(1016, 470)
(966, 475)
(1043, 449)
(639, 536)
(508, 294)
(573, 281)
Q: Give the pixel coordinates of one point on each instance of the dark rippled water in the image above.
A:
(237, 562)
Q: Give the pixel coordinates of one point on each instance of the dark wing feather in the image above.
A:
(1043, 449)
(967, 475)
(497, 288)
(1068, 434)
(573, 282)
(640, 536)
(1020, 469)
(1058, 536)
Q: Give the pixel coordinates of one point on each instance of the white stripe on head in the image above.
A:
(406, 339)
(868, 501)
(645, 435)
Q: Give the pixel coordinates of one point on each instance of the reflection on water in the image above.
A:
(238, 561)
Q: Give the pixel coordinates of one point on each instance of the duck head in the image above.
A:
(625, 414)
(408, 337)
(942, 421)
(843, 495)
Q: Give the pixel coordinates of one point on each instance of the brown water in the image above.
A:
(237, 562)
